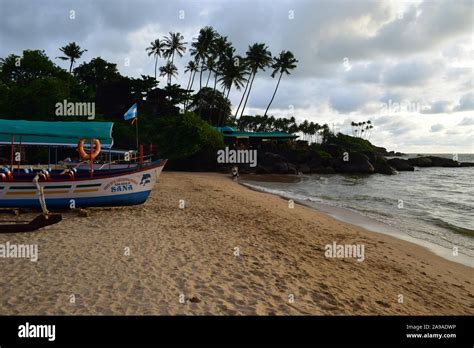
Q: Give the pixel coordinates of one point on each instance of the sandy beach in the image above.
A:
(203, 244)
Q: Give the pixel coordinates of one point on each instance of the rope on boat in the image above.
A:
(40, 193)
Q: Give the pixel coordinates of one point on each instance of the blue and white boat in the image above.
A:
(24, 187)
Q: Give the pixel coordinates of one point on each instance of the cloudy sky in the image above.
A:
(405, 65)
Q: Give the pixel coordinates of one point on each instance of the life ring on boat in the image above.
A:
(84, 154)
(6, 175)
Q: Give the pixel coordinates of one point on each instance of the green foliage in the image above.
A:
(212, 106)
(96, 72)
(317, 148)
(184, 135)
(352, 143)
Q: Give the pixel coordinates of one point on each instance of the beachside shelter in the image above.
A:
(54, 133)
(232, 135)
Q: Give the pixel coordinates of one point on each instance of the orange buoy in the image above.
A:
(6, 176)
(84, 154)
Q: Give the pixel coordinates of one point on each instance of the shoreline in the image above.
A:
(357, 219)
(227, 251)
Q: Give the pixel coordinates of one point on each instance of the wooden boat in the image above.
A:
(108, 188)
(27, 188)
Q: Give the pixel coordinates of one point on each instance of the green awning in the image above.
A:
(264, 135)
(232, 132)
(55, 133)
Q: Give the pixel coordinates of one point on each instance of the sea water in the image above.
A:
(432, 206)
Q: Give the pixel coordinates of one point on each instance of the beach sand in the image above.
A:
(183, 261)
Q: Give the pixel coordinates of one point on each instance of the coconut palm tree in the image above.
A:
(210, 65)
(72, 52)
(191, 68)
(200, 48)
(233, 73)
(224, 52)
(156, 49)
(172, 45)
(169, 70)
(282, 64)
(258, 58)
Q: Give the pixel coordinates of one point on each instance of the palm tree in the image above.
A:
(192, 68)
(282, 64)
(233, 73)
(258, 58)
(353, 125)
(201, 47)
(72, 52)
(210, 65)
(224, 52)
(169, 70)
(156, 49)
(173, 44)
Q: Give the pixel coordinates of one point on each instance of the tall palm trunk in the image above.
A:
(212, 104)
(208, 77)
(228, 91)
(192, 81)
(70, 66)
(156, 63)
(215, 81)
(200, 75)
(273, 94)
(250, 89)
(242, 99)
(189, 81)
(190, 87)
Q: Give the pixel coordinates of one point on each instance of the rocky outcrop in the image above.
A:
(295, 162)
(443, 162)
(353, 162)
(381, 166)
(304, 168)
(401, 165)
(435, 161)
(420, 162)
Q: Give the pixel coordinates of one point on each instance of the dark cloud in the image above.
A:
(466, 102)
(352, 55)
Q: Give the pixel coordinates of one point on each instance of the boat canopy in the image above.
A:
(55, 133)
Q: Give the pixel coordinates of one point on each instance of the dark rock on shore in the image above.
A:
(443, 162)
(420, 162)
(384, 168)
(354, 162)
(323, 170)
(381, 166)
(401, 165)
(467, 164)
(304, 168)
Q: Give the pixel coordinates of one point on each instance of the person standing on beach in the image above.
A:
(235, 173)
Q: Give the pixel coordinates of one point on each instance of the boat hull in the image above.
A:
(114, 189)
